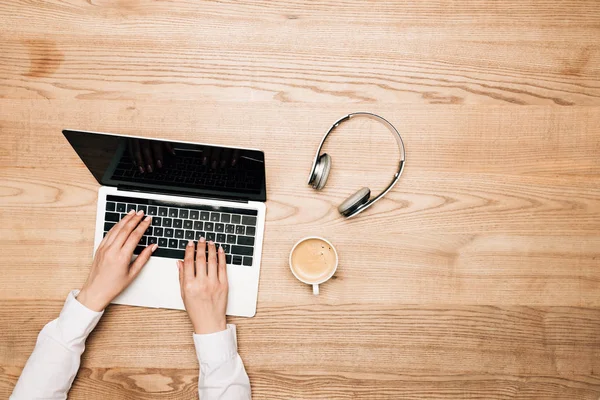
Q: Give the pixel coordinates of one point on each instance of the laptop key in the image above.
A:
(179, 233)
(131, 207)
(219, 227)
(148, 231)
(250, 230)
(121, 207)
(152, 240)
(108, 226)
(142, 208)
(167, 222)
(173, 243)
(194, 214)
(110, 206)
(199, 235)
(221, 237)
(242, 250)
(173, 213)
(198, 225)
(114, 217)
(143, 241)
(209, 226)
(184, 213)
(162, 242)
(187, 224)
(152, 210)
(158, 231)
(231, 239)
(246, 220)
(169, 232)
(226, 247)
(204, 216)
(225, 218)
(183, 244)
(215, 217)
(228, 258)
(247, 261)
(235, 219)
(177, 223)
(240, 230)
(229, 228)
(237, 260)
(156, 221)
(210, 236)
(163, 211)
(245, 240)
(189, 235)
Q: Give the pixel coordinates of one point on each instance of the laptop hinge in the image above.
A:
(176, 193)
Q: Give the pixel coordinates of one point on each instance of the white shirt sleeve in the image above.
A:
(51, 368)
(222, 372)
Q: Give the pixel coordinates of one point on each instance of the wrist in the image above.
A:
(91, 301)
(207, 327)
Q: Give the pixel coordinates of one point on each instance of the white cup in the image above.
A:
(315, 285)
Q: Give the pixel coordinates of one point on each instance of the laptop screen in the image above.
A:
(171, 167)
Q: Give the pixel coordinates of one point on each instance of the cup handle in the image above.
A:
(315, 289)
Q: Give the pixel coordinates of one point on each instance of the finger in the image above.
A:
(148, 162)
(235, 157)
(137, 154)
(114, 231)
(134, 237)
(222, 268)
(215, 157)
(141, 260)
(206, 155)
(201, 259)
(188, 262)
(157, 150)
(212, 261)
(126, 230)
(225, 158)
(169, 148)
(180, 269)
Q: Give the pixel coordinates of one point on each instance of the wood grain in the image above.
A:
(477, 277)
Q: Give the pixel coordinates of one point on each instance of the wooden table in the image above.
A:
(477, 277)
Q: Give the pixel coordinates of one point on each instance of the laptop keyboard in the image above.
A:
(174, 224)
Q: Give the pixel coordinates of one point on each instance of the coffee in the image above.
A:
(313, 260)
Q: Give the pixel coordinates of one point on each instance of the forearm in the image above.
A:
(222, 372)
(55, 360)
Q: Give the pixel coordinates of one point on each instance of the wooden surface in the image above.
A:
(477, 277)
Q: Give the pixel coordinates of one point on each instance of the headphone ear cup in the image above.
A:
(359, 198)
(321, 171)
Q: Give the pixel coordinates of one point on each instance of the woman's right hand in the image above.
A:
(204, 287)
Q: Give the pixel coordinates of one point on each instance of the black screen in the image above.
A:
(171, 167)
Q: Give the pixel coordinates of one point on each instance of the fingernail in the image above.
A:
(154, 247)
(140, 212)
(233, 162)
(141, 169)
(131, 212)
(159, 164)
(220, 249)
(214, 164)
(204, 161)
(202, 239)
(211, 243)
(190, 243)
(148, 218)
(149, 168)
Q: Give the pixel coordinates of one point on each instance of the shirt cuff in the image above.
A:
(216, 347)
(76, 321)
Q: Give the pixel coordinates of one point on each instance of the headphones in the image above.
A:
(361, 200)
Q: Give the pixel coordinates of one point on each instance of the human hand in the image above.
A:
(204, 287)
(112, 270)
(149, 155)
(220, 157)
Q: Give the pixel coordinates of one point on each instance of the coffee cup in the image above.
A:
(313, 260)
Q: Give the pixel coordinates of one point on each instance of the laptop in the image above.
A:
(190, 190)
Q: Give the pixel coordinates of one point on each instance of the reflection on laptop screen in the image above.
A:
(171, 167)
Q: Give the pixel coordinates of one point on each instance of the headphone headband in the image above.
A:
(399, 141)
